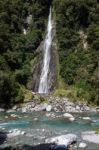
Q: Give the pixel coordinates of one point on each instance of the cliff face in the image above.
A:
(37, 68)
(52, 76)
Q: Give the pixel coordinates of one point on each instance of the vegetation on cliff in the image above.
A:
(78, 64)
(17, 50)
(77, 27)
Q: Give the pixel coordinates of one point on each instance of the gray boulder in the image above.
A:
(63, 139)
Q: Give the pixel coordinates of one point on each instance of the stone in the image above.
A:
(97, 109)
(87, 108)
(14, 116)
(67, 115)
(15, 132)
(15, 107)
(10, 111)
(63, 139)
(2, 110)
(49, 108)
(77, 107)
(43, 106)
(24, 109)
(72, 119)
(24, 31)
(90, 136)
(82, 145)
(29, 19)
(86, 118)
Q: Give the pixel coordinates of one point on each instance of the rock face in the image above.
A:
(37, 65)
(63, 139)
(3, 137)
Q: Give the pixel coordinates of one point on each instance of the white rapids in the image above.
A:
(43, 84)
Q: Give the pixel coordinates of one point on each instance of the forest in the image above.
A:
(77, 23)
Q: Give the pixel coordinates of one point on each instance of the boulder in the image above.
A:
(2, 110)
(69, 116)
(43, 107)
(82, 145)
(72, 119)
(63, 139)
(10, 111)
(49, 108)
(24, 109)
(15, 107)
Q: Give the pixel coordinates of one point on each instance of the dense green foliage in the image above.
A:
(16, 49)
(79, 65)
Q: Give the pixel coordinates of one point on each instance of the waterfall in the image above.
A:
(43, 84)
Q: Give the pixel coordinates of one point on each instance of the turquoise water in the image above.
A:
(38, 126)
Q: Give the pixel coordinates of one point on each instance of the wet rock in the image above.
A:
(37, 147)
(43, 107)
(49, 108)
(72, 119)
(24, 109)
(15, 107)
(63, 139)
(10, 111)
(86, 118)
(69, 116)
(13, 116)
(6, 146)
(97, 109)
(15, 132)
(82, 145)
(2, 110)
(3, 137)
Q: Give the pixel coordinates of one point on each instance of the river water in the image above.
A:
(41, 125)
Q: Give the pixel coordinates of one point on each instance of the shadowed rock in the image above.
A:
(3, 137)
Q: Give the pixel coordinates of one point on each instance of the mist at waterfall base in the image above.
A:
(43, 84)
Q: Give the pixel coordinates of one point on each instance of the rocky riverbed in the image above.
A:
(50, 120)
(52, 103)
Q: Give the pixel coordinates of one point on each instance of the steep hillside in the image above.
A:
(22, 30)
(22, 26)
(77, 26)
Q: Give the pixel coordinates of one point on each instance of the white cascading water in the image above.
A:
(43, 84)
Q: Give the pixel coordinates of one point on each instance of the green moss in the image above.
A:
(43, 99)
(28, 95)
(60, 93)
(97, 130)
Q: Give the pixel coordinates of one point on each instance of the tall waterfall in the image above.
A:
(43, 84)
